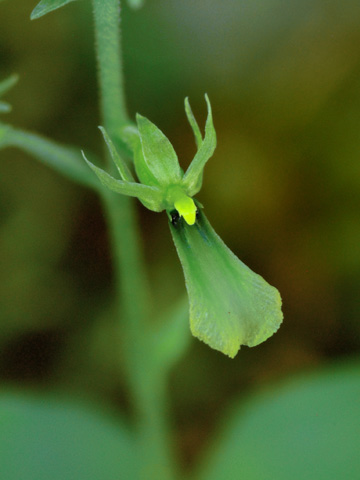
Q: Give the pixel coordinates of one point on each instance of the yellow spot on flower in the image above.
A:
(186, 208)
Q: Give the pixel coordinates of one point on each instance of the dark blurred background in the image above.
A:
(282, 189)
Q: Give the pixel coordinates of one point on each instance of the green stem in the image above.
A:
(111, 79)
(147, 385)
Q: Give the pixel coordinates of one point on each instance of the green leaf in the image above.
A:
(192, 177)
(46, 6)
(8, 83)
(63, 159)
(44, 438)
(123, 169)
(230, 305)
(151, 195)
(193, 123)
(160, 159)
(306, 428)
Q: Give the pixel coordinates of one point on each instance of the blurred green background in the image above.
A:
(282, 190)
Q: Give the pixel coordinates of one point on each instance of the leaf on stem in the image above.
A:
(47, 6)
(62, 158)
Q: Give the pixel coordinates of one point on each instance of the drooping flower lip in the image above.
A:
(230, 305)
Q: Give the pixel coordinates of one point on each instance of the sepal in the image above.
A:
(131, 137)
(193, 176)
(193, 123)
(159, 159)
(152, 196)
(121, 165)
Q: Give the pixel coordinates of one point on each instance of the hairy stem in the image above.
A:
(147, 385)
(110, 71)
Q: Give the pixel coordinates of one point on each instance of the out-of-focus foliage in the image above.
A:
(303, 429)
(5, 86)
(43, 437)
(135, 3)
(282, 189)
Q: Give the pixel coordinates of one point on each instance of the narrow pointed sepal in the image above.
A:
(151, 196)
(230, 305)
(193, 123)
(120, 163)
(192, 179)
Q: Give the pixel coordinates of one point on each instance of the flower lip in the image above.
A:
(230, 305)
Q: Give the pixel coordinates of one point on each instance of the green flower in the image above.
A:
(230, 305)
(163, 185)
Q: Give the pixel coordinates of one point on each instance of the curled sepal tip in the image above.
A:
(193, 176)
(193, 123)
(230, 305)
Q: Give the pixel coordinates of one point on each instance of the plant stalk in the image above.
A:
(146, 384)
(110, 70)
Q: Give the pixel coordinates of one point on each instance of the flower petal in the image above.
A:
(230, 305)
